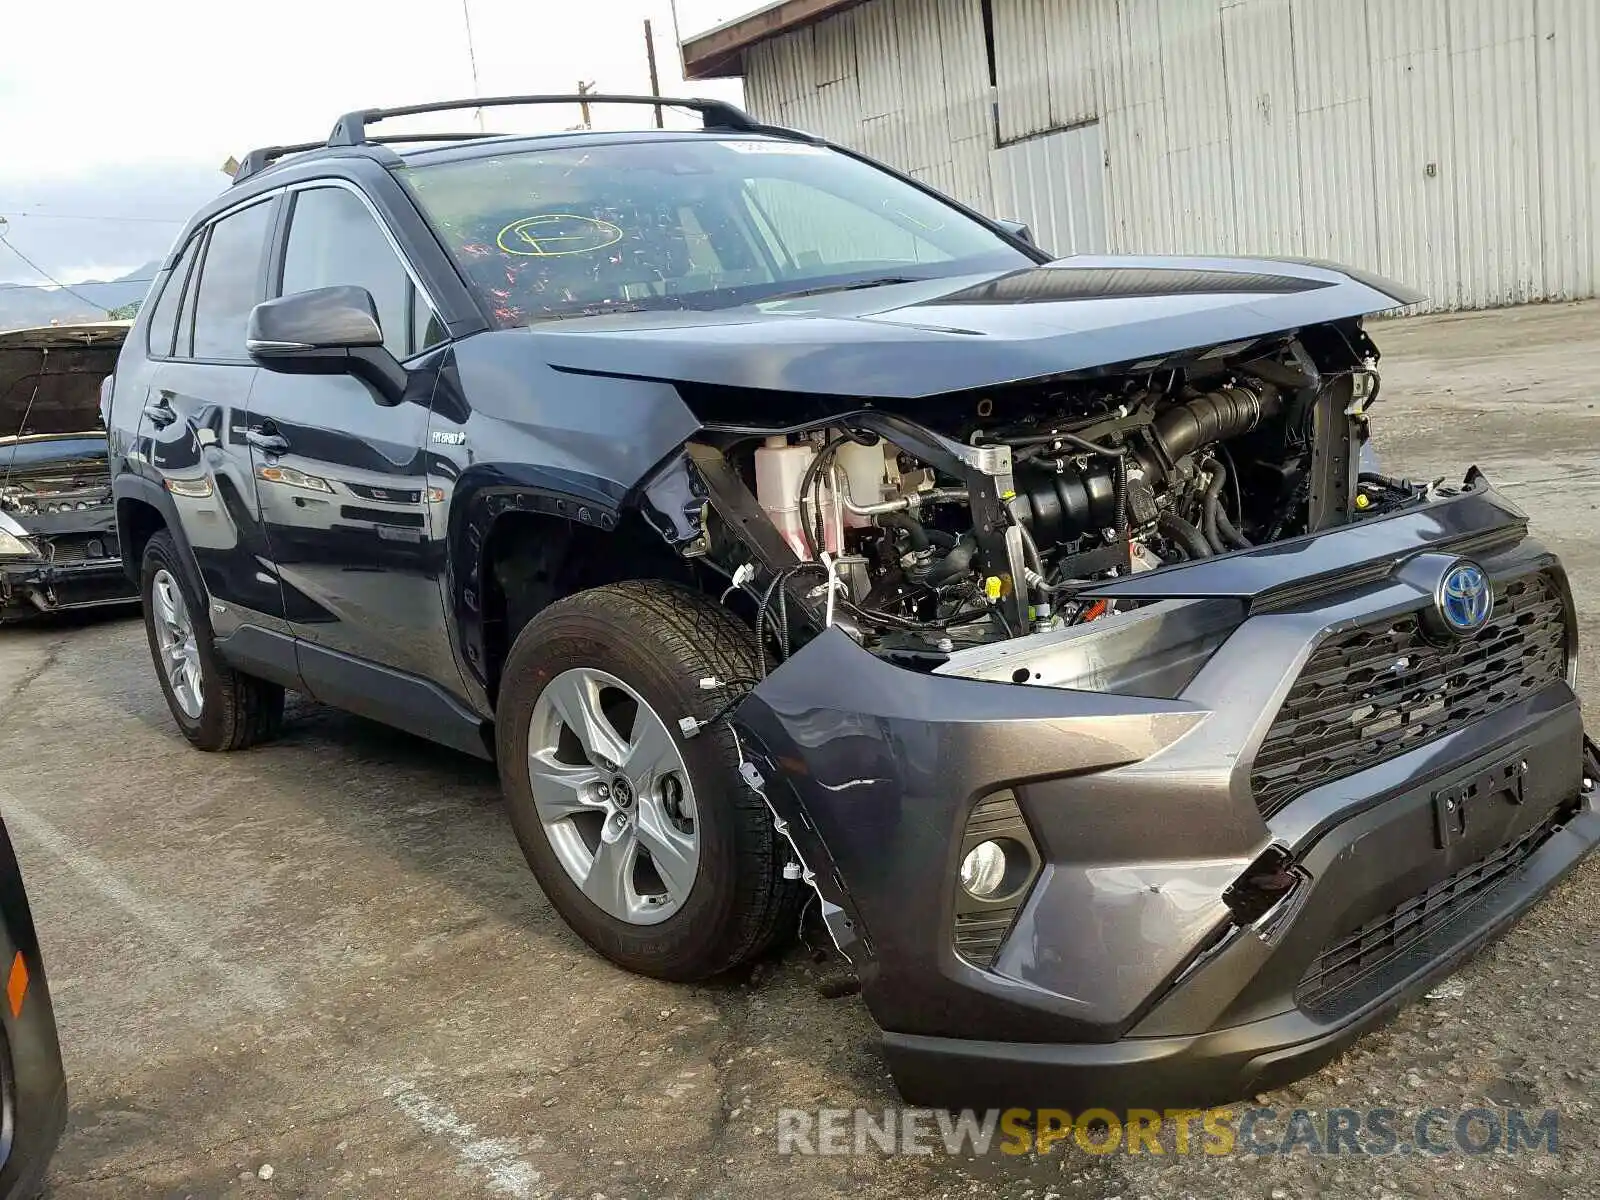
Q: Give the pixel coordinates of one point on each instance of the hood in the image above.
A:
(50, 377)
(904, 341)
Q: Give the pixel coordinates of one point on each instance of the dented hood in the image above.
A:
(917, 339)
(50, 377)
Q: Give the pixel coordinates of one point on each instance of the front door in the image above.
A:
(339, 469)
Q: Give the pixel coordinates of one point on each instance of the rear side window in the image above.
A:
(230, 282)
(334, 239)
(164, 318)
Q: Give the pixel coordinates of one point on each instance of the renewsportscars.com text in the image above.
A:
(1214, 1131)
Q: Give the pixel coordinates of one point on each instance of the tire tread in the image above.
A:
(693, 635)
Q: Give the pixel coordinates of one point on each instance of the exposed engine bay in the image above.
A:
(985, 517)
(75, 482)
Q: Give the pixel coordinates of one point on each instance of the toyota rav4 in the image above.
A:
(791, 535)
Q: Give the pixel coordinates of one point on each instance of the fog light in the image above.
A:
(983, 870)
(999, 862)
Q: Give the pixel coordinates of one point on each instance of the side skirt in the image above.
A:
(355, 685)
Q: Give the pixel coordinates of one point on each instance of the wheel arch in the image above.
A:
(529, 559)
(143, 510)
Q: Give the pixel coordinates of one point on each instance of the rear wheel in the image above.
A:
(647, 843)
(216, 707)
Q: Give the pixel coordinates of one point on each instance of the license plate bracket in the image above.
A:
(1451, 805)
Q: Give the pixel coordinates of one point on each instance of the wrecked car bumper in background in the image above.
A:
(30, 588)
(1204, 872)
(53, 562)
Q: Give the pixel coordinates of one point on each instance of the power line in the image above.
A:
(45, 287)
(48, 216)
(6, 242)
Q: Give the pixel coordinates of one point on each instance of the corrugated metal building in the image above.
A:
(1451, 144)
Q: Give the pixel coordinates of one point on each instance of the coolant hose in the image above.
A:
(1184, 534)
(915, 533)
(1211, 503)
(1230, 532)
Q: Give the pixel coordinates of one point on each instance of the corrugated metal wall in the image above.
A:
(1452, 144)
(1056, 183)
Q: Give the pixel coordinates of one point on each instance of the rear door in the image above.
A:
(194, 428)
(342, 483)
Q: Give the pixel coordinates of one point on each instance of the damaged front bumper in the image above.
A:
(75, 561)
(29, 586)
(1191, 930)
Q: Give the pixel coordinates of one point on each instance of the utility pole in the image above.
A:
(583, 105)
(650, 57)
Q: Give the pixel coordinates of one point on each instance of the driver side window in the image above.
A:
(334, 239)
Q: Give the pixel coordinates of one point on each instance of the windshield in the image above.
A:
(687, 223)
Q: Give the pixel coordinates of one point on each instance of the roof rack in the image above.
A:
(263, 157)
(351, 129)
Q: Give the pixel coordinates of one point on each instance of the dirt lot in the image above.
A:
(326, 955)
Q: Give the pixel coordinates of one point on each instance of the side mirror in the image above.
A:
(326, 331)
(1016, 229)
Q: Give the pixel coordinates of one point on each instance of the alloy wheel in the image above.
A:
(613, 795)
(180, 653)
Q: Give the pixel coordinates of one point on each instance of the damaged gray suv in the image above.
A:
(793, 536)
(58, 539)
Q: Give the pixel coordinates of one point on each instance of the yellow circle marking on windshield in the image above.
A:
(555, 234)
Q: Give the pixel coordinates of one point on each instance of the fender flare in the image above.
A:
(145, 491)
(483, 495)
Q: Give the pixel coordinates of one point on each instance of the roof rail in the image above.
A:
(263, 157)
(351, 129)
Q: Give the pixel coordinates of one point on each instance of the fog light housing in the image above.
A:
(999, 862)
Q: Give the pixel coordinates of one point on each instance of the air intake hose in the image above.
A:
(1213, 417)
(1066, 504)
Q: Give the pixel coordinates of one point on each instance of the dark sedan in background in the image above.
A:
(58, 536)
(33, 1089)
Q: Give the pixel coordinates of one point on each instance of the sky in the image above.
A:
(116, 115)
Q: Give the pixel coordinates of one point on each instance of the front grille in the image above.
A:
(65, 549)
(1352, 971)
(1376, 691)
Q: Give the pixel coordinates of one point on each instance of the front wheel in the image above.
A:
(216, 707)
(647, 843)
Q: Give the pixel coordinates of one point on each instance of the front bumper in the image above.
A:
(28, 586)
(1127, 976)
(1235, 1060)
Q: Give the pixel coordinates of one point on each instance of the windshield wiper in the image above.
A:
(852, 286)
(602, 308)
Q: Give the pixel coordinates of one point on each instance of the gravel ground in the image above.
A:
(321, 969)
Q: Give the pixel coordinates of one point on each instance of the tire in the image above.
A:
(235, 710)
(656, 641)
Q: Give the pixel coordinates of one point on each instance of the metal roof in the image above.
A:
(720, 51)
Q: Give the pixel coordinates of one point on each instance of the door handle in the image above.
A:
(266, 441)
(160, 413)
